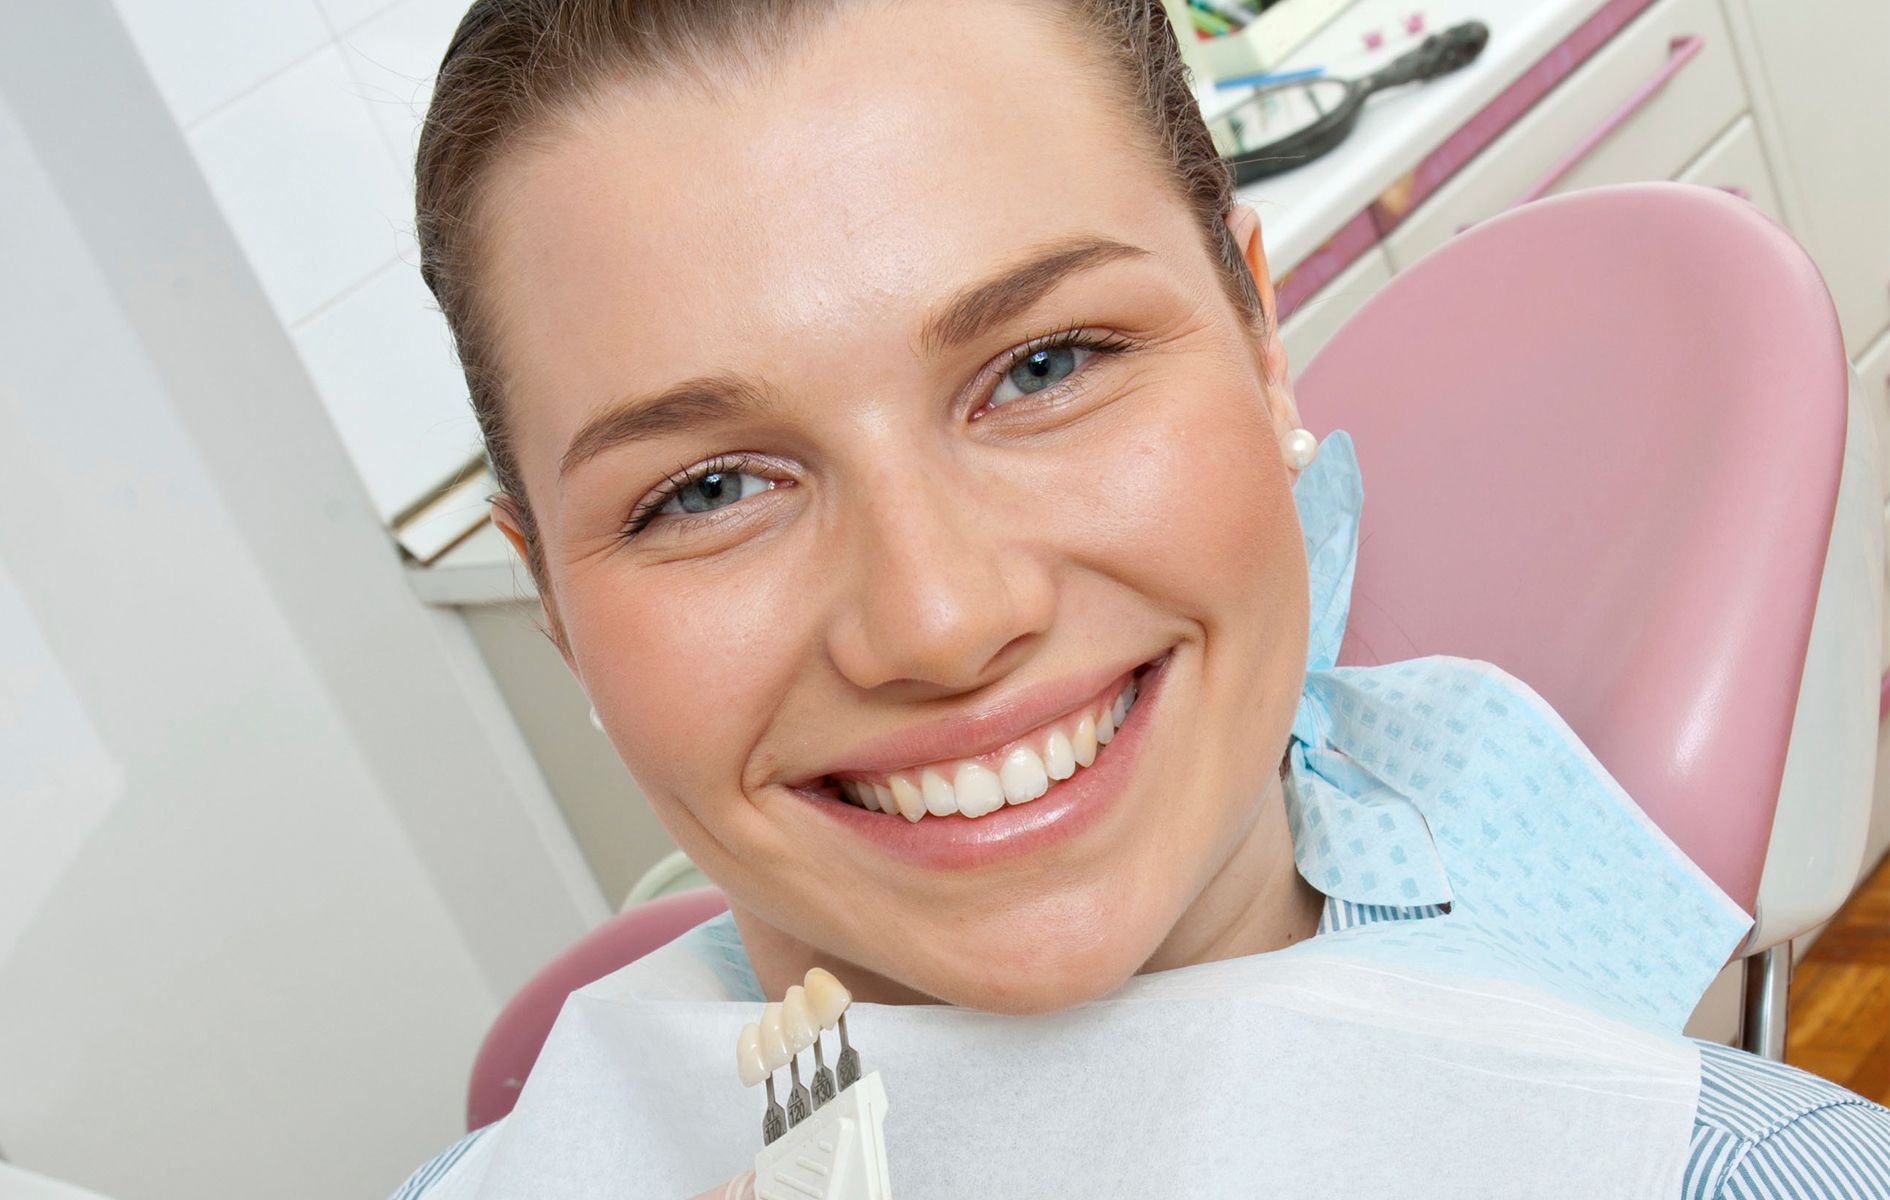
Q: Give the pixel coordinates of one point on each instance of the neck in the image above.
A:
(1256, 902)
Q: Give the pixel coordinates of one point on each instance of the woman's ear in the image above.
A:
(505, 516)
(1243, 222)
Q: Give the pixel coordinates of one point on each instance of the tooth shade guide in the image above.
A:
(748, 1057)
(797, 1022)
(800, 1104)
(824, 1087)
(774, 1049)
(827, 997)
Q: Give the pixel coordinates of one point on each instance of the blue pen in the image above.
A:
(1263, 79)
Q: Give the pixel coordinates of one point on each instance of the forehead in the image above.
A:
(829, 201)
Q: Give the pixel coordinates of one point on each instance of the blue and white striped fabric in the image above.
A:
(1763, 1131)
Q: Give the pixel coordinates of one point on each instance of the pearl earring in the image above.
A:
(596, 723)
(1301, 448)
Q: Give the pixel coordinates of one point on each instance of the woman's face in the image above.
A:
(885, 417)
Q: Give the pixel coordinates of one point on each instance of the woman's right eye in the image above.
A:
(713, 490)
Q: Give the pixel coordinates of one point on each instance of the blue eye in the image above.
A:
(716, 489)
(1038, 370)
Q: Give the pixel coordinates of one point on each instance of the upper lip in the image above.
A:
(987, 727)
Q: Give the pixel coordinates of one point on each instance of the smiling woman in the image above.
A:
(860, 433)
(887, 401)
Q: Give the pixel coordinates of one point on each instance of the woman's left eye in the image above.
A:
(1037, 370)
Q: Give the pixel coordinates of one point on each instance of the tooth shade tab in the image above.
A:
(797, 1023)
(774, 1049)
(827, 997)
(748, 1059)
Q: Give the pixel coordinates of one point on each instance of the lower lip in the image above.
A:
(1016, 829)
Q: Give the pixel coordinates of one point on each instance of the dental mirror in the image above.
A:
(1286, 125)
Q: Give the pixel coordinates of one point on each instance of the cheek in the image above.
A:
(1198, 509)
(687, 661)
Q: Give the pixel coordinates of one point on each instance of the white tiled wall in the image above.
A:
(303, 115)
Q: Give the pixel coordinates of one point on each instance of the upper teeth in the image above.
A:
(1018, 774)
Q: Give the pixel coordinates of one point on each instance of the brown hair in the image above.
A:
(515, 66)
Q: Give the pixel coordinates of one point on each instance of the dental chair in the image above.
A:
(1609, 442)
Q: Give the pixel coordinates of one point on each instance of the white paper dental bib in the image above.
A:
(1525, 1044)
(1290, 1075)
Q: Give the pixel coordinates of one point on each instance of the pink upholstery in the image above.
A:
(1601, 438)
(513, 1042)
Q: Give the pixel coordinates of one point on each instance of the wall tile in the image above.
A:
(395, 56)
(382, 361)
(344, 15)
(300, 171)
(203, 53)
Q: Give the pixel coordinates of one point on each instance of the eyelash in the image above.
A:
(1072, 337)
(734, 464)
(647, 511)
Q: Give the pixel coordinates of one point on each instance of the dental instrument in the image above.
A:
(833, 1145)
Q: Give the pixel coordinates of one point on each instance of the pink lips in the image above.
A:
(1061, 813)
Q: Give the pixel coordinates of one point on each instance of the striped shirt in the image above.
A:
(1763, 1130)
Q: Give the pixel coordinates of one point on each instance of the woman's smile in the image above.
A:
(1007, 799)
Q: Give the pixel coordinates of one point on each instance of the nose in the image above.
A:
(945, 590)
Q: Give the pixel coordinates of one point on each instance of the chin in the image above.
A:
(1032, 973)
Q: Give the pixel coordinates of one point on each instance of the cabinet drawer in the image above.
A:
(1656, 141)
(1736, 162)
(1873, 370)
(1873, 373)
(1314, 322)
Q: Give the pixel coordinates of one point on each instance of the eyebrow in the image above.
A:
(968, 315)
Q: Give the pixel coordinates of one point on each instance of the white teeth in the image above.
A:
(939, 800)
(978, 791)
(1059, 760)
(974, 790)
(1083, 743)
(1023, 776)
(911, 804)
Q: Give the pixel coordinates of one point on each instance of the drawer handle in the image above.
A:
(1681, 51)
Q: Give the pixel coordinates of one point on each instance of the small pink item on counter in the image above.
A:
(1373, 39)
(1414, 23)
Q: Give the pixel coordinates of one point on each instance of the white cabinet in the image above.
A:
(1736, 162)
(1873, 370)
(1310, 325)
(1816, 73)
(1700, 98)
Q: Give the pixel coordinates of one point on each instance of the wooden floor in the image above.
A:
(1840, 1003)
